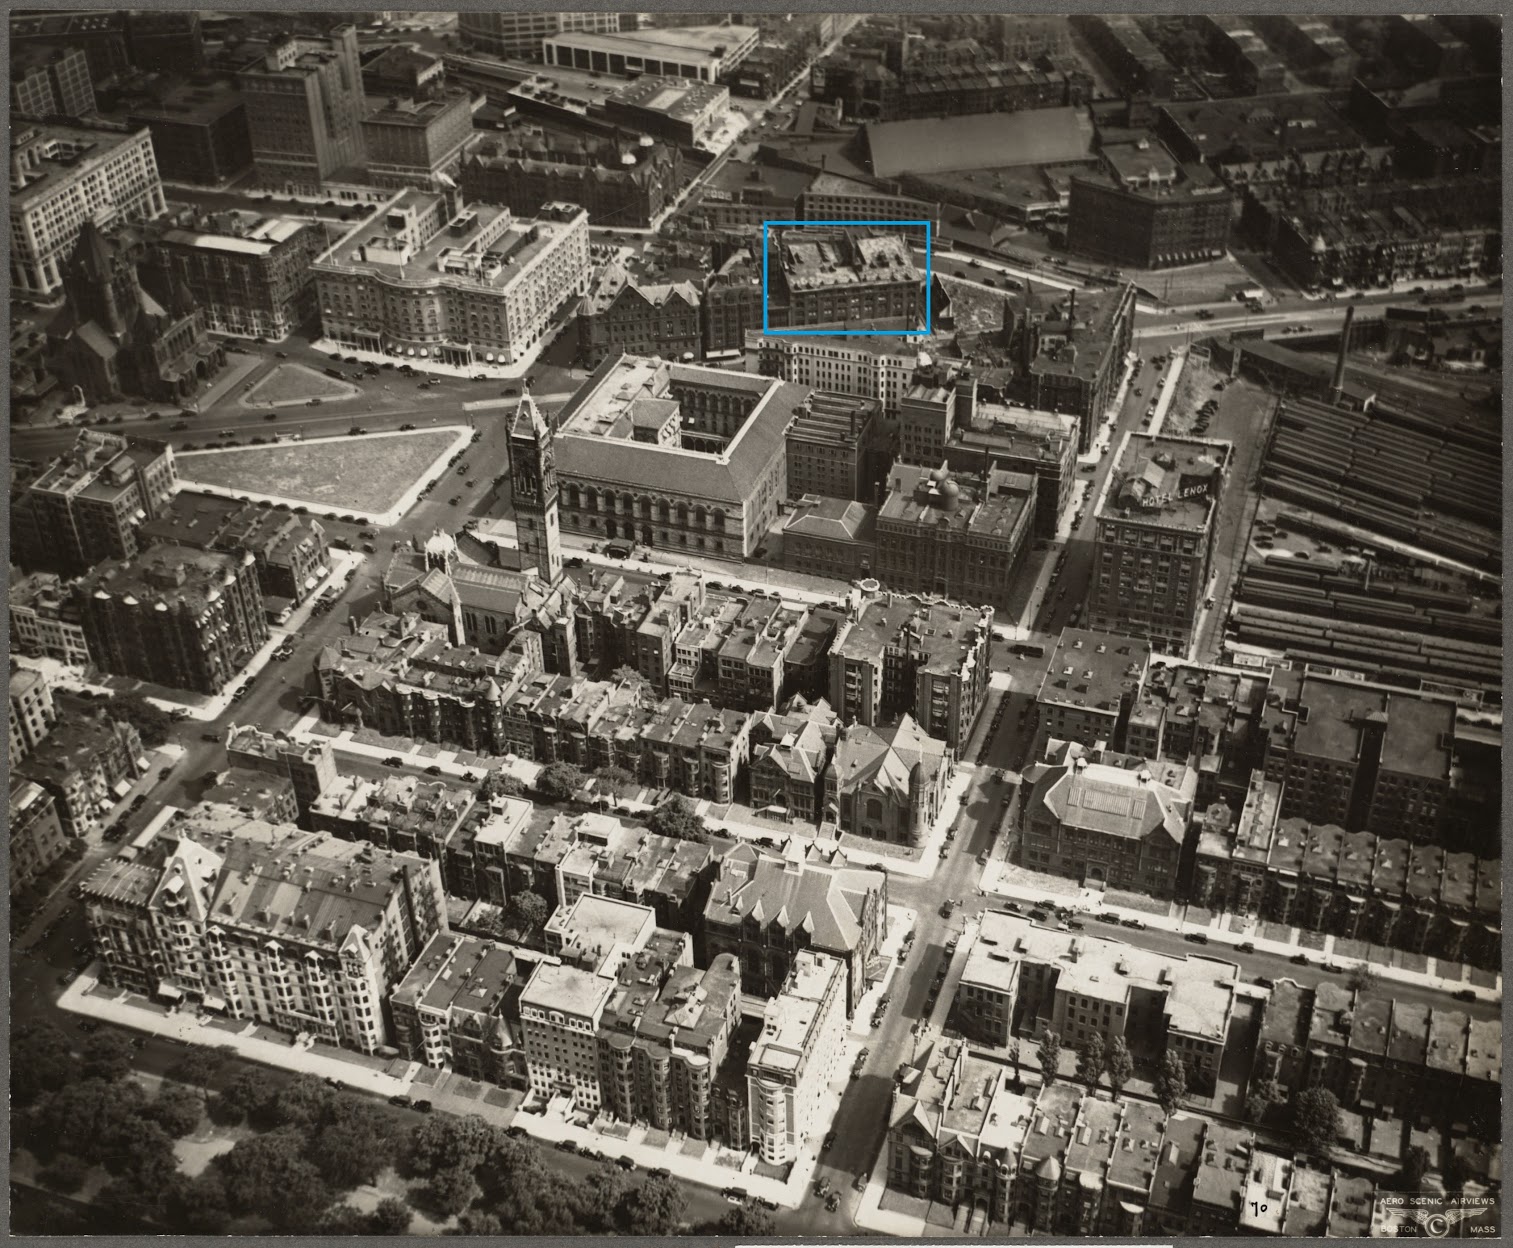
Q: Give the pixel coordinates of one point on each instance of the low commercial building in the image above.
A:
(37, 839)
(174, 616)
(199, 132)
(702, 53)
(1090, 685)
(250, 274)
(45, 621)
(1106, 819)
(964, 540)
(906, 655)
(1155, 529)
(474, 286)
(1147, 212)
(830, 537)
(670, 107)
(418, 142)
(833, 448)
(674, 455)
(620, 181)
(796, 1056)
(1020, 977)
(87, 762)
(771, 911)
(838, 276)
(266, 923)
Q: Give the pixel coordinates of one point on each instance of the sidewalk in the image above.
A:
(1216, 929)
(929, 853)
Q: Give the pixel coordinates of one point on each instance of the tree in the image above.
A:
(499, 783)
(558, 782)
(86, 1118)
(1362, 978)
(66, 1174)
(747, 1220)
(676, 818)
(451, 1190)
(355, 1146)
(443, 1142)
(1316, 1120)
(240, 1098)
(1416, 1164)
(1455, 1172)
(199, 1066)
(153, 724)
(1171, 1081)
(477, 1222)
(1050, 1056)
(614, 777)
(1120, 1065)
(1090, 1060)
(177, 1109)
(527, 911)
(198, 1206)
(1260, 1097)
(1014, 1057)
(302, 1101)
(391, 1217)
(40, 1062)
(269, 1175)
(657, 1207)
(107, 1056)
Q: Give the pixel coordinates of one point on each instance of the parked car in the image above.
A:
(1247, 946)
(1196, 938)
(423, 1107)
(403, 1102)
(1299, 959)
(660, 1172)
(393, 761)
(625, 1163)
(1464, 994)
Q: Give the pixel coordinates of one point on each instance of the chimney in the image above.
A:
(1337, 387)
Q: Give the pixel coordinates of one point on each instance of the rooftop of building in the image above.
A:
(678, 98)
(596, 931)
(96, 458)
(998, 508)
(941, 145)
(833, 419)
(1262, 127)
(832, 519)
(1078, 330)
(659, 42)
(1199, 990)
(1167, 481)
(983, 1105)
(794, 892)
(47, 155)
(1223, 1165)
(594, 443)
(168, 576)
(409, 111)
(1176, 1161)
(253, 793)
(39, 590)
(560, 988)
(993, 421)
(191, 103)
(1110, 796)
(944, 635)
(788, 1034)
(457, 973)
(813, 258)
(1092, 670)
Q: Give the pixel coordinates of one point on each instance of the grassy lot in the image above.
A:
(295, 383)
(367, 473)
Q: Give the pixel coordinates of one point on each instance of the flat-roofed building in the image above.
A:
(88, 762)
(1155, 525)
(63, 176)
(674, 108)
(31, 710)
(834, 275)
(45, 620)
(906, 655)
(305, 107)
(714, 490)
(1090, 685)
(37, 839)
(703, 53)
(797, 1055)
(474, 286)
(1020, 976)
(418, 143)
(1072, 358)
(521, 34)
(1019, 440)
(958, 538)
(1145, 211)
(832, 448)
(49, 81)
(199, 132)
(249, 273)
(560, 1012)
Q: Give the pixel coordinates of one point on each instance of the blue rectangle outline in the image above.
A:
(769, 332)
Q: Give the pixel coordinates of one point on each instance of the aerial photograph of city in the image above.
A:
(783, 623)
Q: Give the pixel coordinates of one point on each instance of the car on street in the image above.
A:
(1299, 959)
(734, 1195)
(1196, 938)
(1464, 994)
(660, 1172)
(625, 1163)
(1247, 946)
(423, 1107)
(1137, 924)
(829, 1142)
(861, 1182)
(403, 1102)
(393, 761)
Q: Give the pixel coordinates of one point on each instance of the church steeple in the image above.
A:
(533, 482)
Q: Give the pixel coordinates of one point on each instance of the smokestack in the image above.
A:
(1337, 388)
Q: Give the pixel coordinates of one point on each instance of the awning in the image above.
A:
(165, 989)
(214, 1003)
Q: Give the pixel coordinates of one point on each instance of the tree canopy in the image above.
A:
(1171, 1081)
(559, 782)
(676, 818)
(1316, 1120)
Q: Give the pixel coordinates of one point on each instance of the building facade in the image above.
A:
(31, 710)
(418, 143)
(37, 840)
(199, 132)
(521, 34)
(833, 449)
(47, 82)
(87, 763)
(44, 621)
(621, 316)
(833, 276)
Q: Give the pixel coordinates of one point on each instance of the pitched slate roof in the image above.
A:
(826, 900)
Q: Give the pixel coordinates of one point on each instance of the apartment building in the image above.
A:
(43, 620)
(37, 839)
(820, 275)
(309, 768)
(909, 655)
(87, 763)
(797, 1055)
(561, 1009)
(175, 616)
(474, 286)
(266, 923)
(31, 710)
(63, 176)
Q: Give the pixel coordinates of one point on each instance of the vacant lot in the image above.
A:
(296, 383)
(368, 473)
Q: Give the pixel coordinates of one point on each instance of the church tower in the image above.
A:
(533, 484)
